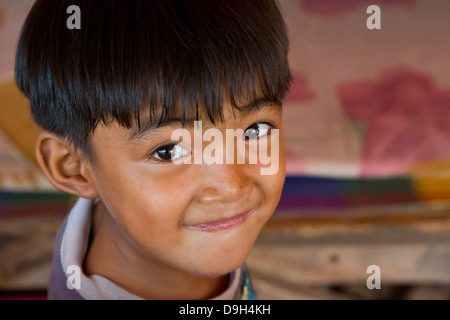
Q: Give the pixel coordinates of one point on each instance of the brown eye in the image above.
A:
(170, 152)
(257, 130)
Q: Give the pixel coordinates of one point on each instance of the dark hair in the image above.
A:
(171, 54)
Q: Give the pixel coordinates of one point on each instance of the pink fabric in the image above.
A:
(337, 7)
(407, 119)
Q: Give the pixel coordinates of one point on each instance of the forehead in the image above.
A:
(149, 120)
(112, 134)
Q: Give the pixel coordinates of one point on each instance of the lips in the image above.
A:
(223, 224)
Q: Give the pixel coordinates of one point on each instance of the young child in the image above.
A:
(109, 96)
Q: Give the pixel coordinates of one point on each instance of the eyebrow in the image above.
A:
(244, 110)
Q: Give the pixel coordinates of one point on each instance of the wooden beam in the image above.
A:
(334, 253)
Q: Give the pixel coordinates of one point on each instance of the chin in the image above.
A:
(213, 268)
(215, 273)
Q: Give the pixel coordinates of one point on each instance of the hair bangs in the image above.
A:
(167, 59)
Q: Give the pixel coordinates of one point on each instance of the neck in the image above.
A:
(113, 255)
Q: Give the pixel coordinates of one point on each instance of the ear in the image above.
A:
(63, 166)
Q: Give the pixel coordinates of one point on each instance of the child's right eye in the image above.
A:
(170, 152)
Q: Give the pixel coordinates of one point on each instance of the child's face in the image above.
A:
(199, 218)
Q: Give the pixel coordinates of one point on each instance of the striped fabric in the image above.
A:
(304, 196)
(28, 204)
(301, 196)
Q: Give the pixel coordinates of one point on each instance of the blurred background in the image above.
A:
(367, 125)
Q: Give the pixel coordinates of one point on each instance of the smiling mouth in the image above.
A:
(223, 224)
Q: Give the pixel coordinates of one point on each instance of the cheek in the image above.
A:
(145, 203)
(155, 200)
(272, 187)
(272, 184)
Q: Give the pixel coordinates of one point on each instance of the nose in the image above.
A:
(225, 183)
